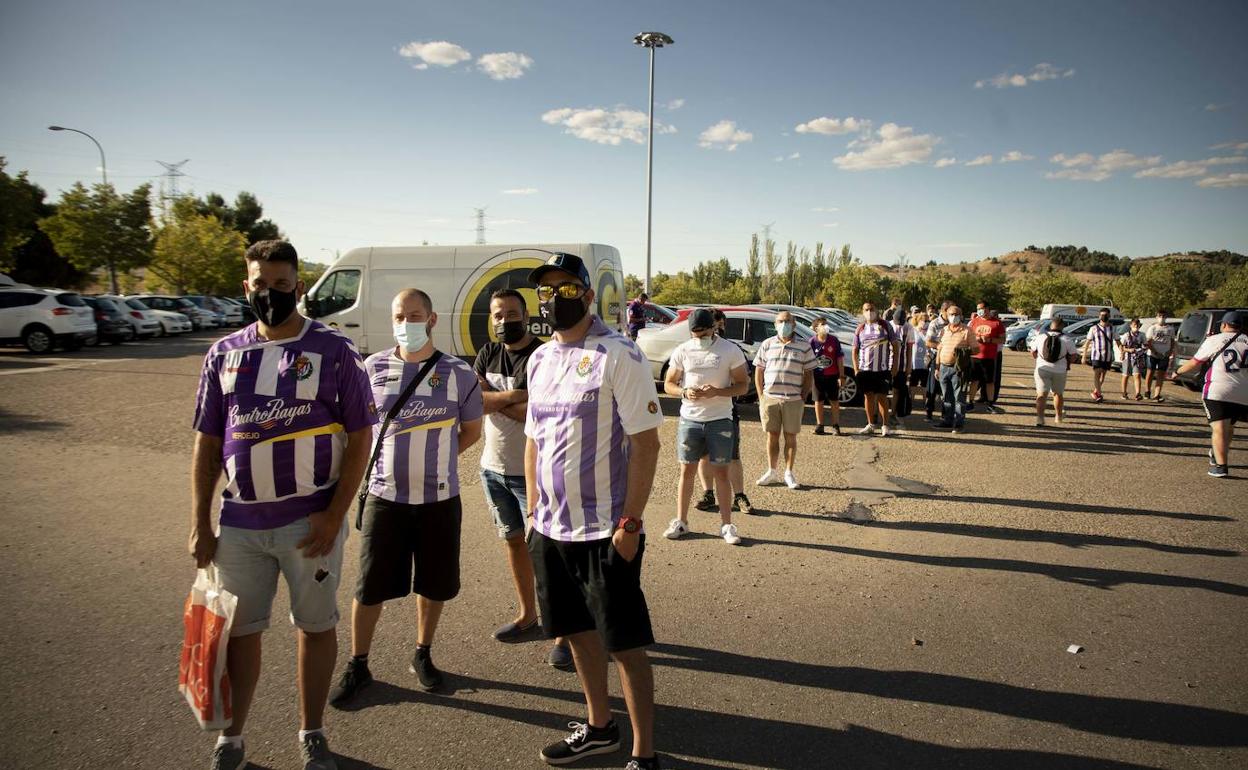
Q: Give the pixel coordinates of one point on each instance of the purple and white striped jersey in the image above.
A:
(419, 460)
(1100, 342)
(874, 344)
(283, 409)
(585, 400)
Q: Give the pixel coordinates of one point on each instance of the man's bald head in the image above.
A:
(412, 305)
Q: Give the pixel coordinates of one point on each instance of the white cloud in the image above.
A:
(1236, 146)
(595, 124)
(1226, 180)
(504, 66)
(834, 126)
(945, 162)
(825, 209)
(725, 135)
(782, 158)
(982, 160)
(892, 146)
(439, 53)
(521, 191)
(1185, 169)
(1085, 167)
(1041, 72)
(674, 104)
(1014, 156)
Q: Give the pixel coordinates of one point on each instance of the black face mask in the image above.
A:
(563, 313)
(272, 306)
(510, 332)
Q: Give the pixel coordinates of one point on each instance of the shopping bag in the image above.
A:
(202, 676)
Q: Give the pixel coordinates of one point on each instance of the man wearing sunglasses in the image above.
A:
(590, 456)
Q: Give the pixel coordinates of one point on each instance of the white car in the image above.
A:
(142, 318)
(172, 323)
(232, 311)
(41, 319)
(200, 318)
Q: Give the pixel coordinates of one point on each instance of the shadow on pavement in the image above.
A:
(23, 423)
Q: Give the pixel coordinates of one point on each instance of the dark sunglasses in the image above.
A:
(566, 290)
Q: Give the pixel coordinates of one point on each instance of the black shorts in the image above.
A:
(1098, 364)
(1225, 410)
(409, 549)
(873, 382)
(918, 377)
(828, 389)
(587, 585)
(983, 370)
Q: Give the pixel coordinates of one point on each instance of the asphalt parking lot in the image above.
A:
(933, 635)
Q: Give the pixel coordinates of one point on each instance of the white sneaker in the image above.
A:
(867, 430)
(790, 479)
(729, 532)
(883, 430)
(675, 530)
(768, 479)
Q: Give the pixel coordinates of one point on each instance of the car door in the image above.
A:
(12, 311)
(335, 302)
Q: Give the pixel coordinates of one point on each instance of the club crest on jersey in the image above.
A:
(301, 368)
(584, 367)
(435, 382)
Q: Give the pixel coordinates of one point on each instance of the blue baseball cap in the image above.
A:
(568, 263)
(1234, 318)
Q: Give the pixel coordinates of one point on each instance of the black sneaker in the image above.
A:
(637, 763)
(427, 674)
(1218, 471)
(560, 657)
(836, 429)
(227, 756)
(316, 755)
(707, 503)
(355, 678)
(584, 741)
(742, 504)
(819, 431)
(970, 407)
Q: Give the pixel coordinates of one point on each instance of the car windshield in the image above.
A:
(136, 304)
(183, 302)
(107, 304)
(70, 299)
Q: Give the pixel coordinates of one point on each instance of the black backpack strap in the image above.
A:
(381, 435)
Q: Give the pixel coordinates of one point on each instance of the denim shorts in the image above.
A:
(712, 440)
(249, 561)
(505, 495)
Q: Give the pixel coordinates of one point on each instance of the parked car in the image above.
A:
(248, 316)
(112, 324)
(1018, 336)
(232, 310)
(200, 319)
(1077, 331)
(142, 319)
(41, 319)
(208, 305)
(1145, 325)
(1195, 327)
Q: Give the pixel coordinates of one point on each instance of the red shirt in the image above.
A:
(986, 329)
(828, 355)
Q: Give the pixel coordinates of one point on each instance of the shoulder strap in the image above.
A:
(381, 435)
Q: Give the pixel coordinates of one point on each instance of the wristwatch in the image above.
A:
(630, 525)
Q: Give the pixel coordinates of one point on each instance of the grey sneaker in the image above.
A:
(316, 756)
(228, 757)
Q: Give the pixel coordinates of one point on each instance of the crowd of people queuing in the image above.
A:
(570, 430)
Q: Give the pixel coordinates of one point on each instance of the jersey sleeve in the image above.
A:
(632, 387)
(1207, 350)
(470, 403)
(677, 359)
(737, 358)
(530, 424)
(355, 395)
(209, 402)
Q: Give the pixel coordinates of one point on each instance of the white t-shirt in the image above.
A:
(1060, 365)
(1162, 337)
(918, 357)
(905, 341)
(707, 367)
(1227, 377)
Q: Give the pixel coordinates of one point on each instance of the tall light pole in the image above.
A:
(651, 40)
(112, 269)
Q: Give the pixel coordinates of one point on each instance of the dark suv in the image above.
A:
(1196, 326)
(111, 324)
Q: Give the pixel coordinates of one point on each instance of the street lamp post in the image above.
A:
(651, 40)
(112, 269)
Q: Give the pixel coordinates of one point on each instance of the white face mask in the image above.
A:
(784, 328)
(955, 319)
(411, 336)
(705, 342)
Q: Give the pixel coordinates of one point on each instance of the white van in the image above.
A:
(1070, 313)
(354, 294)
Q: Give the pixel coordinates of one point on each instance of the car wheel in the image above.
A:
(849, 394)
(37, 339)
(94, 340)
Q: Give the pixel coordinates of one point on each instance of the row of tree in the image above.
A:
(811, 278)
(196, 246)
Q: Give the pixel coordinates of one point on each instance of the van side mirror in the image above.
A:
(313, 306)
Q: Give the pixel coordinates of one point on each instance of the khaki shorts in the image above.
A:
(783, 416)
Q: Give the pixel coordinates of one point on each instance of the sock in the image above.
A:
(361, 660)
(303, 734)
(236, 740)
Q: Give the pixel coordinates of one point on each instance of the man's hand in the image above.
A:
(324, 528)
(626, 544)
(202, 546)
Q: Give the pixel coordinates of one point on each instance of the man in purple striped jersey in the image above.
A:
(1098, 351)
(593, 444)
(410, 535)
(284, 408)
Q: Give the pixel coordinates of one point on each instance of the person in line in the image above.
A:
(1134, 353)
(1098, 352)
(589, 463)
(1054, 352)
(939, 320)
(1224, 392)
(783, 378)
(953, 352)
(1160, 344)
(706, 371)
(829, 375)
(875, 366)
(904, 334)
(285, 410)
(736, 474)
(990, 335)
(501, 371)
(637, 314)
(410, 524)
(918, 357)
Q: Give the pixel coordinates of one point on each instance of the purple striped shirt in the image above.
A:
(1100, 342)
(874, 344)
(585, 399)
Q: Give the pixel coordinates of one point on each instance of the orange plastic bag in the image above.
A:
(202, 676)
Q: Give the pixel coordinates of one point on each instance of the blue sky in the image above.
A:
(1119, 125)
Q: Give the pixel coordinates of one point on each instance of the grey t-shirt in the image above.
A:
(503, 369)
(1162, 337)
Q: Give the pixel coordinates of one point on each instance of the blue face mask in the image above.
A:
(411, 336)
(981, 312)
(784, 328)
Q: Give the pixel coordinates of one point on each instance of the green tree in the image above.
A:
(311, 272)
(197, 252)
(98, 228)
(1168, 283)
(246, 215)
(682, 289)
(771, 266)
(1029, 293)
(1234, 291)
(20, 202)
(850, 286)
(632, 286)
(753, 271)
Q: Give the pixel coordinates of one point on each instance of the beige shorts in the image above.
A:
(783, 416)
